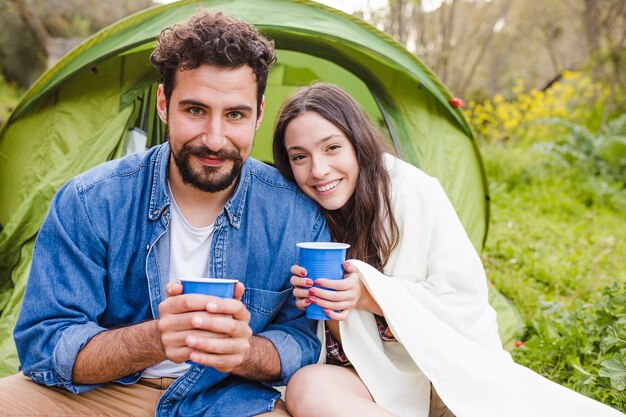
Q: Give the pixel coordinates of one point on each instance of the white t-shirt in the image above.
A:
(189, 258)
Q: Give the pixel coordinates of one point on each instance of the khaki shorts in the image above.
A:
(437, 407)
(20, 396)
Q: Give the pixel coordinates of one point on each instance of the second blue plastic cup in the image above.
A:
(321, 260)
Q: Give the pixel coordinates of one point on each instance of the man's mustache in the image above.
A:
(224, 154)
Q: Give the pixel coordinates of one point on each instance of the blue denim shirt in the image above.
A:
(101, 261)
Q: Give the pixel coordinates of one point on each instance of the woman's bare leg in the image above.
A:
(329, 390)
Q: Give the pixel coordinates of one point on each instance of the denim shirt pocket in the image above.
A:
(263, 305)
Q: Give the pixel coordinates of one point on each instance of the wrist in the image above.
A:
(366, 302)
(157, 339)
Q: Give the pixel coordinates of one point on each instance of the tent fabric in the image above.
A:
(79, 113)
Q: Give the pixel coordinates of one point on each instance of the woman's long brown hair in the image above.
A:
(366, 222)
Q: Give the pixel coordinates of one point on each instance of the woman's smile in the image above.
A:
(328, 187)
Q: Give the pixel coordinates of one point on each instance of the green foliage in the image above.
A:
(557, 241)
(583, 348)
(602, 154)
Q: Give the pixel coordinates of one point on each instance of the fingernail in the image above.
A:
(309, 282)
(307, 301)
(327, 311)
(346, 264)
(311, 292)
(303, 272)
(312, 300)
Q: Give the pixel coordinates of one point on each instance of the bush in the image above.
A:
(602, 154)
(574, 98)
(583, 348)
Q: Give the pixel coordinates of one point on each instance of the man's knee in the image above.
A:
(18, 392)
(20, 396)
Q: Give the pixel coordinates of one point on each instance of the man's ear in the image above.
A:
(161, 104)
(259, 116)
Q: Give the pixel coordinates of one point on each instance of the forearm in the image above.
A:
(118, 353)
(261, 362)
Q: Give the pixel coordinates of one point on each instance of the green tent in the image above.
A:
(97, 103)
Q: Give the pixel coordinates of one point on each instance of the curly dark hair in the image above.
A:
(214, 39)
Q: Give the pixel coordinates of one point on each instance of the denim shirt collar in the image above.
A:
(159, 198)
(236, 204)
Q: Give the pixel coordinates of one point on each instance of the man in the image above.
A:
(117, 237)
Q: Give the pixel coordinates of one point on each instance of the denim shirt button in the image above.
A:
(148, 247)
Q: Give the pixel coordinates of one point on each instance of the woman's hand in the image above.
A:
(301, 285)
(349, 293)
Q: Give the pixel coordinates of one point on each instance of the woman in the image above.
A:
(412, 308)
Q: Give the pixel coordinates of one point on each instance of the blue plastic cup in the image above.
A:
(217, 287)
(321, 260)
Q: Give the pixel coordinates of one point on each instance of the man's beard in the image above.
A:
(208, 179)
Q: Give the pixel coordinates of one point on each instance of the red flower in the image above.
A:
(519, 343)
(457, 102)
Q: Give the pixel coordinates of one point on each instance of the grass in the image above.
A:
(557, 248)
(556, 234)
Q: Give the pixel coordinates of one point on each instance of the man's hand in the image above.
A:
(207, 330)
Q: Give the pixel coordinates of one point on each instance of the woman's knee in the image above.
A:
(298, 395)
(336, 384)
(302, 381)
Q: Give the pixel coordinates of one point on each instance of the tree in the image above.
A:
(37, 32)
(480, 47)
(605, 29)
